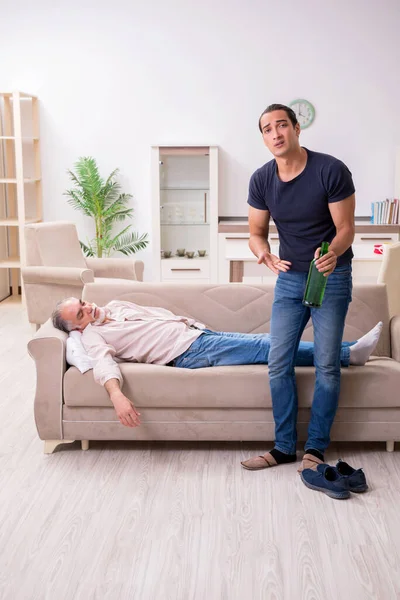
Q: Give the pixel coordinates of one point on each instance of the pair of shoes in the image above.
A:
(337, 482)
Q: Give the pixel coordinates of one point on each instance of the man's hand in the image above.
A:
(327, 263)
(273, 262)
(126, 412)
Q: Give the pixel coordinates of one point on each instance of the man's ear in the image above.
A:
(297, 129)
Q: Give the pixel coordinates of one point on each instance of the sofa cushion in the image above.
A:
(372, 386)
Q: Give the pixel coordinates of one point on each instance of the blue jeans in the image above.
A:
(289, 318)
(216, 348)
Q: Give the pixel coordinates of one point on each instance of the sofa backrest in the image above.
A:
(241, 307)
(53, 244)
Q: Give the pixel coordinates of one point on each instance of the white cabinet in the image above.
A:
(237, 262)
(185, 213)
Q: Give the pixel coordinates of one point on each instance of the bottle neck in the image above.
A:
(324, 248)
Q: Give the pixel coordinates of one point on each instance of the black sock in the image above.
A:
(281, 457)
(315, 453)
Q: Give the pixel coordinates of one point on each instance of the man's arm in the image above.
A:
(259, 229)
(124, 408)
(107, 373)
(343, 216)
(258, 243)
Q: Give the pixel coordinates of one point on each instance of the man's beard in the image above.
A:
(100, 314)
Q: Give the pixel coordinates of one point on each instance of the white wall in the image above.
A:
(116, 77)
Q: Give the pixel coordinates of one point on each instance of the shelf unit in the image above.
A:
(185, 212)
(20, 182)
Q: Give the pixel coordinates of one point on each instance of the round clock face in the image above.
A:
(305, 112)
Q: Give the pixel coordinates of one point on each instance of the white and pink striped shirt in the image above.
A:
(142, 334)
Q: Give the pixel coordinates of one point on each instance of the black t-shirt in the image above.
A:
(299, 207)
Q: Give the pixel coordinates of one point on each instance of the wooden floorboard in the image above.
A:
(179, 521)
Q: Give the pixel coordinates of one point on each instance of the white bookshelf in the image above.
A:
(20, 181)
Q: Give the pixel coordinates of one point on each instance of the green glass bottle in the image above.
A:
(316, 282)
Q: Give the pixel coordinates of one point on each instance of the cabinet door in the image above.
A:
(185, 212)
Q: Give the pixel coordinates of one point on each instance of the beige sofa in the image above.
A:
(219, 403)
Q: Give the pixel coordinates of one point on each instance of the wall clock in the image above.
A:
(305, 112)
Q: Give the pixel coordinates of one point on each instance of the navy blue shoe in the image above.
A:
(328, 480)
(355, 477)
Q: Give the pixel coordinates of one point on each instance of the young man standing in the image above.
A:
(310, 197)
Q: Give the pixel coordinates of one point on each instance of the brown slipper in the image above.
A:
(309, 462)
(259, 462)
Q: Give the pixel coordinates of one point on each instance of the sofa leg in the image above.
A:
(389, 446)
(51, 445)
(85, 444)
(34, 327)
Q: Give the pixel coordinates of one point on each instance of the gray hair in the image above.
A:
(58, 321)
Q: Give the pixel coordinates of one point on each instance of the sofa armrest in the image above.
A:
(47, 348)
(395, 337)
(117, 268)
(57, 275)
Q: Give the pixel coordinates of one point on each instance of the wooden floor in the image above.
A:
(179, 521)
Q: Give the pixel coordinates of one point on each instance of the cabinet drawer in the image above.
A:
(376, 238)
(237, 248)
(186, 268)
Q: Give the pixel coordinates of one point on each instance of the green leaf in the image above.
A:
(131, 243)
(114, 240)
(87, 250)
(77, 201)
(119, 215)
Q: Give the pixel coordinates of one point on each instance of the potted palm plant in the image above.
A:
(103, 201)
